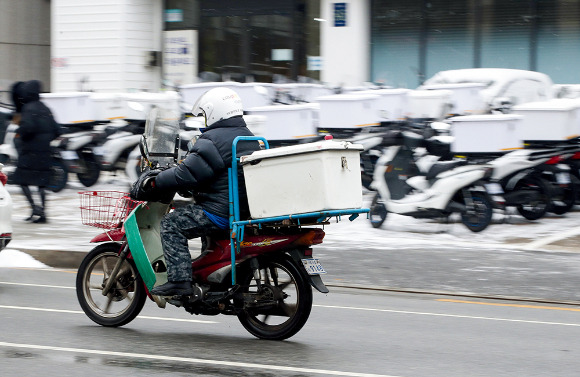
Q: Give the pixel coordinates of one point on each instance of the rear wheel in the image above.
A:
(91, 170)
(378, 211)
(477, 215)
(536, 208)
(125, 299)
(279, 306)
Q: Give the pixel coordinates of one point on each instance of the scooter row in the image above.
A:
(84, 150)
(88, 150)
(414, 173)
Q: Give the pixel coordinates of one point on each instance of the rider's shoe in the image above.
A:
(173, 288)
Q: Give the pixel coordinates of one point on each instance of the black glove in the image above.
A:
(144, 187)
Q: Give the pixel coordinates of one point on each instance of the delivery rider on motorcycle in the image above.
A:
(204, 173)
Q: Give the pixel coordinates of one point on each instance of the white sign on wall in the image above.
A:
(180, 61)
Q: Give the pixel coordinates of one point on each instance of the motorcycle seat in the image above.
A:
(441, 167)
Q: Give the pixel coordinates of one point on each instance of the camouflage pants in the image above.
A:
(176, 228)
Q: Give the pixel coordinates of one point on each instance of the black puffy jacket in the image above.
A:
(37, 129)
(205, 169)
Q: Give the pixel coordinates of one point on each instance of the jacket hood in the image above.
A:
(30, 91)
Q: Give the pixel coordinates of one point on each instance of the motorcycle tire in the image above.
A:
(126, 298)
(378, 211)
(537, 209)
(281, 306)
(478, 218)
(91, 170)
(59, 176)
(565, 203)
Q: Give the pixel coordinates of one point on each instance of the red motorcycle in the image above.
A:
(261, 270)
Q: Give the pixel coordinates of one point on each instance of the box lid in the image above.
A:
(559, 104)
(439, 93)
(347, 97)
(486, 118)
(274, 108)
(299, 149)
(64, 95)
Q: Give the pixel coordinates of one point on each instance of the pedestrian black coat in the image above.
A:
(37, 129)
(205, 169)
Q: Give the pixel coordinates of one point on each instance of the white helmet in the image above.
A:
(218, 104)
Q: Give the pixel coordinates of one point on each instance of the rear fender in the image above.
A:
(315, 280)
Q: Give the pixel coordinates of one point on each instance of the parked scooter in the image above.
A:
(533, 181)
(427, 188)
(264, 277)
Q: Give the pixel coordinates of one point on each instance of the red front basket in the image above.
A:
(105, 209)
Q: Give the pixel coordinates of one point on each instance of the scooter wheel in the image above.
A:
(479, 216)
(125, 299)
(378, 211)
(565, 202)
(535, 209)
(280, 305)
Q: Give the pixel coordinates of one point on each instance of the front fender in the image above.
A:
(115, 235)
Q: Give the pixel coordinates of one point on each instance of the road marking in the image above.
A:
(235, 364)
(36, 285)
(450, 315)
(510, 305)
(81, 312)
(543, 241)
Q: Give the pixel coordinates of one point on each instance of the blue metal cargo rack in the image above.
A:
(237, 226)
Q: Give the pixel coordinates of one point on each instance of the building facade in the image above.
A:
(24, 43)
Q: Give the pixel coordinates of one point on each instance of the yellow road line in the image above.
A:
(510, 305)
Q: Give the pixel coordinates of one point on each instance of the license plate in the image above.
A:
(494, 188)
(313, 266)
(69, 155)
(563, 178)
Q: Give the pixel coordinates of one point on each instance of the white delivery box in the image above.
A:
(488, 133)
(391, 105)
(288, 122)
(70, 107)
(348, 111)
(108, 106)
(557, 119)
(168, 100)
(305, 91)
(191, 92)
(428, 104)
(466, 98)
(303, 178)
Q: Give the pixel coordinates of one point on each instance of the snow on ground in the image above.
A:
(64, 230)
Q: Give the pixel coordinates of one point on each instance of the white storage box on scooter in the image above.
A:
(303, 178)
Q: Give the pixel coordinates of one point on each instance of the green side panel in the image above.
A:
(138, 250)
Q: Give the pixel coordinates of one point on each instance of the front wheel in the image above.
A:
(279, 306)
(565, 201)
(59, 176)
(125, 299)
(478, 213)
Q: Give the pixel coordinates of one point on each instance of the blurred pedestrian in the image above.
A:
(37, 128)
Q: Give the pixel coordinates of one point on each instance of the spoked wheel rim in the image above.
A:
(122, 294)
(280, 306)
(279, 295)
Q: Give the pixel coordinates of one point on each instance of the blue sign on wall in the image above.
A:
(339, 14)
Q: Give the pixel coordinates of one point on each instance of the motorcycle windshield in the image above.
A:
(162, 135)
